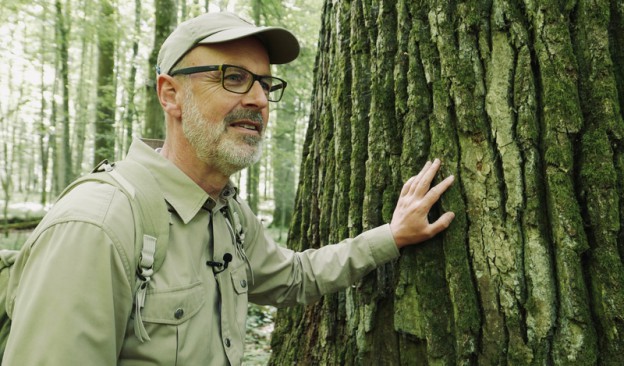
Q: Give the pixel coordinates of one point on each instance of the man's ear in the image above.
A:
(167, 89)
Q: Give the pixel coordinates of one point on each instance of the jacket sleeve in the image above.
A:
(283, 277)
(73, 300)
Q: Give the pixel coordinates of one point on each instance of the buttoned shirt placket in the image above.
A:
(221, 242)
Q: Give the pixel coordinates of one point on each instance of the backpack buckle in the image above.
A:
(103, 166)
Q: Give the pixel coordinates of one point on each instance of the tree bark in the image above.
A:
(63, 160)
(253, 171)
(166, 20)
(85, 92)
(105, 117)
(522, 101)
(130, 105)
(43, 133)
(252, 183)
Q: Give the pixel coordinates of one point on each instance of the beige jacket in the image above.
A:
(72, 289)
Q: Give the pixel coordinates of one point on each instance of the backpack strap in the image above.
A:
(151, 222)
(153, 211)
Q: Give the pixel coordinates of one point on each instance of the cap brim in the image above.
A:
(281, 45)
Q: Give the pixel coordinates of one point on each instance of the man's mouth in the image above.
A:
(246, 120)
(250, 126)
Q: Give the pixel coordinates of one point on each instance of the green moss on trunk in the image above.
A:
(523, 104)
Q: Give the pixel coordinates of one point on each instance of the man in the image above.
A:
(74, 303)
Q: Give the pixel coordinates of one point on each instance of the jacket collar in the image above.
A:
(179, 190)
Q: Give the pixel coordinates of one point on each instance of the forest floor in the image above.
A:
(258, 337)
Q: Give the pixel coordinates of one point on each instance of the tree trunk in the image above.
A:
(522, 101)
(85, 93)
(105, 117)
(253, 172)
(63, 160)
(252, 183)
(283, 165)
(166, 20)
(130, 106)
(43, 133)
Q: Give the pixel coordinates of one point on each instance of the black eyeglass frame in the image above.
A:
(223, 67)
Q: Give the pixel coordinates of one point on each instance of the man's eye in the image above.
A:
(235, 78)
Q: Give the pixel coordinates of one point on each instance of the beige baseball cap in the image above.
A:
(219, 27)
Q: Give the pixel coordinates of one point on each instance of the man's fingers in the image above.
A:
(442, 223)
(436, 192)
(407, 186)
(412, 184)
(410, 223)
(420, 184)
(425, 182)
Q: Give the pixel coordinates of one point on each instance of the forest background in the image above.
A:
(77, 86)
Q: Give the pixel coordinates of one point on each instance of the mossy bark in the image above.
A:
(522, 101)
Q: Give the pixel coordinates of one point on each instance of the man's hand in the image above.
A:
(410, 224)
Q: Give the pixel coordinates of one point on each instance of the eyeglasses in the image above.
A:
(238, 80)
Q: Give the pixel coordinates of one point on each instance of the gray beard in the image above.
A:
(212, 143)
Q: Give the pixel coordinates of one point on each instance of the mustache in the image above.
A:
(254, 116)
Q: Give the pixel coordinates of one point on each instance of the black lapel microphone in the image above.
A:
(227, 258)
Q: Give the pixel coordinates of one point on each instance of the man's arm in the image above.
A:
(284, 277)
(73, 296)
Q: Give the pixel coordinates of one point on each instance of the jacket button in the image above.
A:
(227, 342)
(179, 313)
(243, 283)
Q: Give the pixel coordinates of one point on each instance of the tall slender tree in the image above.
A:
(130, 104)
(105, 110)
(85, 93)
(253, 172)
(62, 152)
(523, 102)
(7, 163)
(41, 129)
(166, 20)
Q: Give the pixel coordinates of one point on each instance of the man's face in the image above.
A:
(225, 129)
(220, 144)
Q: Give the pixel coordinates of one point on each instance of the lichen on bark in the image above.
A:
(522, 101)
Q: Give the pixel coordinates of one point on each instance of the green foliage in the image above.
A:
(66, 125)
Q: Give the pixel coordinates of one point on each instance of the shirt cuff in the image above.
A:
(382, 245)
